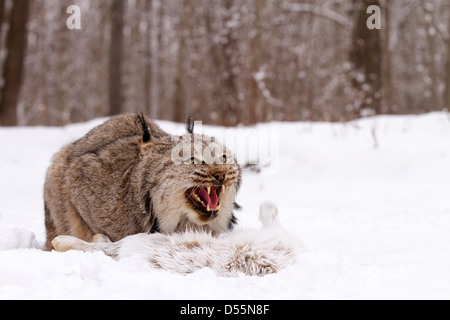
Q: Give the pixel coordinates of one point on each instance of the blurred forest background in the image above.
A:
(228, 62)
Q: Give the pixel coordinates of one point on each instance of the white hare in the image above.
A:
(252, 252)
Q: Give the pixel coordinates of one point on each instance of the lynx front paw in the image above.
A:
(101, 238)
(66, 243)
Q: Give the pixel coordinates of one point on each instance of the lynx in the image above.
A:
(122, 179)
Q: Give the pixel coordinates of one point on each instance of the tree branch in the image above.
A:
(319, 11)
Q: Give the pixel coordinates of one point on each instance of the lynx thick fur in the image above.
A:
(251, 252)
(127, 176)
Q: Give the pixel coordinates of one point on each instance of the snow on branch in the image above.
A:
(319, 11)
(259, 78)
(434, 21)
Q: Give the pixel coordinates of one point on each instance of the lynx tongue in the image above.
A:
(211, 199)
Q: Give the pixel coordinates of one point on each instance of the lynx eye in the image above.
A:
(226, 160)
(193, 160)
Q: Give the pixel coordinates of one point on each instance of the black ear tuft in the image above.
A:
(190, 122)
(146, 137)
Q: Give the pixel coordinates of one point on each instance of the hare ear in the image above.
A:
(146, 137)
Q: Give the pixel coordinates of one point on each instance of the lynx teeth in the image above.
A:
(197, 197)
(216, 209)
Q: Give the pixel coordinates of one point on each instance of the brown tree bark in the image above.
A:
(387, 61)
(256, 102)
(431, 61)
(115, 57)
(154, 44)
(179, 99)
(2, 14)
(447, 68)
(366, 57)
(16, 44)
(231, 112)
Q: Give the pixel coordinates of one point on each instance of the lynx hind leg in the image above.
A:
(268, 215)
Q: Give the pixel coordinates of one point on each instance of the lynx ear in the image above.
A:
(146, 137)
(190, 122)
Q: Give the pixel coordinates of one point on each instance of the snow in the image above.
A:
(368, 199)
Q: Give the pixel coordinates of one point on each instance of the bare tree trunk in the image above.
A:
(2, 14)
(310, 92)
(161, 97)
(148, 66)
(16, 44)
(179, 99)
(447, 68)
(115, 58)
(101, 105)
(255, 104)
(434, 103)
(366, 57)
(231, 112)
(154, 45)
(387, 66)
(217, 91)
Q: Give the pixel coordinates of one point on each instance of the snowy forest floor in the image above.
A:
(368, 199)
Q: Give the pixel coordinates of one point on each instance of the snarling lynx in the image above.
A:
(127, 176)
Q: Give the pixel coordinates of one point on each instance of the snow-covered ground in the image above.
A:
(370, 201)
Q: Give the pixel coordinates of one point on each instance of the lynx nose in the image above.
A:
(219, 175)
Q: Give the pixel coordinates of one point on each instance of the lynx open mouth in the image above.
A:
(205, 199)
